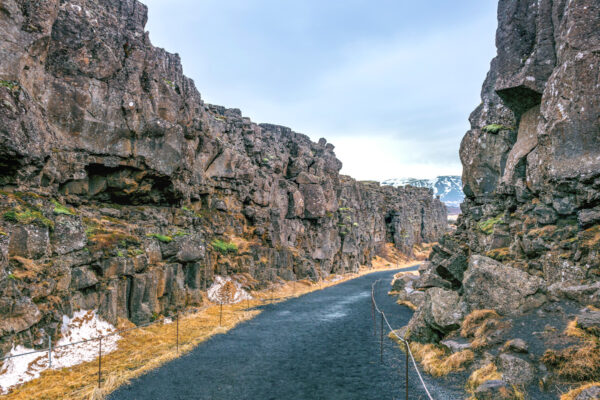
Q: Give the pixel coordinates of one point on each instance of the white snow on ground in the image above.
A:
(84, 325)
(216, 292)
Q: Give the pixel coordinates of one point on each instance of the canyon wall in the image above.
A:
(528, 239)
(122, 191)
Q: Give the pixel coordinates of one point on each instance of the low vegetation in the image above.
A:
(61, 209)
(437, 360)
(487, 226)
(495, 128)
(479, 325)
(160, 237)
(572, 394)
(25, 215)
(488, 372)
(580, 362)
(224, 247)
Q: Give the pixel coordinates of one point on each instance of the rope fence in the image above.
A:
(375, 309)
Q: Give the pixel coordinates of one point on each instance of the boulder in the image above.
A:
(507, 290)
(442, 309)
(492, 390)
(82, 277)
(515, 370)
(68, 235)
(29, 241)
(589, 320)
(191, 248)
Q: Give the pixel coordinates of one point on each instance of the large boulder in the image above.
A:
(442, 309)
(516, 370)
(507, 290)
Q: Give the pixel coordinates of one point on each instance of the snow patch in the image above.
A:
(84, 325)
(218, 291)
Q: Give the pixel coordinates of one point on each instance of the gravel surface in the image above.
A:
(317, 346)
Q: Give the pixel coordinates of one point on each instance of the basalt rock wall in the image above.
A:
(528, 239)
(122, 191)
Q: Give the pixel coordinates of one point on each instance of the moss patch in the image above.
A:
(25, 215)
(495, 128)
(487, 226)
(61, 209)
(224, 247)
(162, 238)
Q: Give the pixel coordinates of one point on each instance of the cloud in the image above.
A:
(390, 83)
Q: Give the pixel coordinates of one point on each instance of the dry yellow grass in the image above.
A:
(148, 348)
(407, 304)
(434, 359)
(572, 394)
(474, 320)
(478, 325)
(437, 362)
(573, 331)
(486, 373)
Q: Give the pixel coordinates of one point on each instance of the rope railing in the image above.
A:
(376, 308)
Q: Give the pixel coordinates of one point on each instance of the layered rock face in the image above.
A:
(122, 190)
(529, 234)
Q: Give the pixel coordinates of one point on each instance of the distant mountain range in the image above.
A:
(449, 188)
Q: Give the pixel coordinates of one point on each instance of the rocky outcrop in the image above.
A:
(122, 191)
(529, 233)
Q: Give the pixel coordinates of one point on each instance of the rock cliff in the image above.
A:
(122, 191)
(528, 239)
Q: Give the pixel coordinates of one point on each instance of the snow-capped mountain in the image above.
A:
(449, 188)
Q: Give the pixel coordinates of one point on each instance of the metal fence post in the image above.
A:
(373, 308)
(381, 341)
(99, 361)
(49, 351)
(406, 367)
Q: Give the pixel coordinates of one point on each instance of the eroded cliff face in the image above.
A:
(121, 190)
(529, 235)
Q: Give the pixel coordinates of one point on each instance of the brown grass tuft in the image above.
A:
(486, 373)
(572, 394)
(474, 320)
(436, 361)
(575, 363)
(480, 325)
(407, 304)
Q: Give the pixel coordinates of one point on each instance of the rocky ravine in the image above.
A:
(528, 240)
(122, 191)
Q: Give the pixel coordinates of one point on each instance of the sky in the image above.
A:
(390, 83)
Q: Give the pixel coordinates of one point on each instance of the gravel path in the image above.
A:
(317, 346)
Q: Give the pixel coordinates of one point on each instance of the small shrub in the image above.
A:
(162, 238)
(12, 277)
(224, 247)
